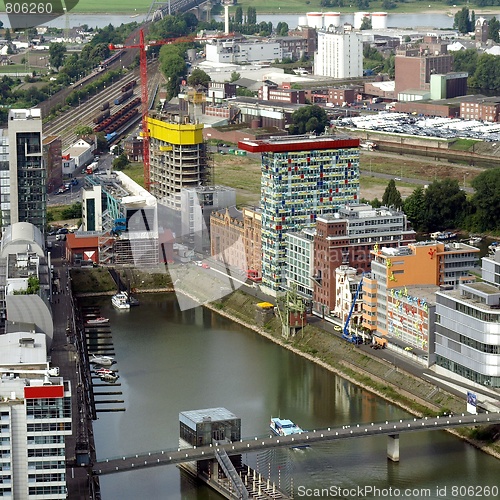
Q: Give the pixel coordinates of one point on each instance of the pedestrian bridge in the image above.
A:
(391, 429)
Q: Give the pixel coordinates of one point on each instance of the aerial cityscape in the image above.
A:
(249, 251)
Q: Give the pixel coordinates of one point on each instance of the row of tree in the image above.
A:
(483, 69)
(443, 204)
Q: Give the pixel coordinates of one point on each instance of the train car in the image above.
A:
(101, 117)
(104, 64)
(104, 106)
(122, 98)
(129, 85)
(111, 137)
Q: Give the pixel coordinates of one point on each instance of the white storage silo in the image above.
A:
(315, 20)
(302, 21)
(379, 20)
(331, 19)
(358, 19)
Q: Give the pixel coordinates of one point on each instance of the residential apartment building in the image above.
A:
(178, 158)
(23, 177)
(235, 239)
(339, 54)
(347, 238)
(423, 263)
(302, 178)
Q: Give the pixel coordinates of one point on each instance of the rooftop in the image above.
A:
(207, 414)
(298, 143)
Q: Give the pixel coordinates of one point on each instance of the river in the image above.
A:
(409, 21)
(170, 361)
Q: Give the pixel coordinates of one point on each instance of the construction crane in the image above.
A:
(143, 47)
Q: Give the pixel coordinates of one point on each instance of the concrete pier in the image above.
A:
(393, 447)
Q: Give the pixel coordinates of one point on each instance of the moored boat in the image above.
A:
(104, 371)
(120, 301)
(102, 360)
(97, 321)
(284, 427)
(109, 377)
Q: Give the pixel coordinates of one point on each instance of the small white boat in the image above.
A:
(102, 360)
(104, 371)
(475, 240)
(120, 301)
(98, 321)
(284, 427)
(109, 377)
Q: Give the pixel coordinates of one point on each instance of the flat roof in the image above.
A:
(297, 143)
(193, 417)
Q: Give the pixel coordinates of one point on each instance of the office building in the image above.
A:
(299, 262)
(23, 189)
(302, 178)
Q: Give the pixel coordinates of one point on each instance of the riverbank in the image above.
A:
(376, 375)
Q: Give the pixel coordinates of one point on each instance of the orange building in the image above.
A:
(423, 263)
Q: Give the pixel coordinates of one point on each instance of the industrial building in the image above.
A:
(243, 51)
(302, 178)
(339, 54)
(23, 185)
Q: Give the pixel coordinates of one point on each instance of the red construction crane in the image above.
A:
(143, 47)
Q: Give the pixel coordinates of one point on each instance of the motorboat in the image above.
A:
(475, 240)
(120, 300)
(103, 371)
(131, 299)
(102, 360)
(98, 321)
(284, 427)
(109, 377)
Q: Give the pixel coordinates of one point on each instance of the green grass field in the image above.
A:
(131, 7)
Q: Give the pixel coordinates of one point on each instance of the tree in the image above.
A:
(282, 29)
(465, 60)
(445, 205)
(235, 76)
(251, 15)
(81, 130)
(486, 200)
(494, 30)
(120, 162)
(57, 52)
(414, 208)
(72, 212)
(462, 21)
(8, 36)
(366, 24)
(238, 15)
(308, 119)
(199, 77)
(392, 197)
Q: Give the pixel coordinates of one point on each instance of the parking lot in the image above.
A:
(445, 128)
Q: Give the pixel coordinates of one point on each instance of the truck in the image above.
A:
(92, 168)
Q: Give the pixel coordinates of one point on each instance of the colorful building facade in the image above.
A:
(302, 178)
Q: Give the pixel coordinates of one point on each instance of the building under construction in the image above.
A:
(178, 157)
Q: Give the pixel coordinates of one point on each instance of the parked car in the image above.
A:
(62, 230)
(74, 182)
(204, 265)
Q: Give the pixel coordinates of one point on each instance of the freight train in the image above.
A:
(108, 121)
(129, 85)
(124, 96)
(101, 117)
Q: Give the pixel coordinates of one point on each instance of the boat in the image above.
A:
(131, 300)
(103, 371)
(120, 300)
(98, 321)
(102, 360)
(475, 240)
(447, 235)
(109, 377)
(284, 427)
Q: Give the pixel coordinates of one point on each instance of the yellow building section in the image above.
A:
(175, 133)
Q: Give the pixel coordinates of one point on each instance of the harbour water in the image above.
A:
(170, 361)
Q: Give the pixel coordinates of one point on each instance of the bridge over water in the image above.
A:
(391, 429)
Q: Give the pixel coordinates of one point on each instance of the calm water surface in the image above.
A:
(170, 361)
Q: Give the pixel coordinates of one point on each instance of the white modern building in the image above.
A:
(242, 51)
(35, 416)
(300, 262)
(347, 282)
(339, 54)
